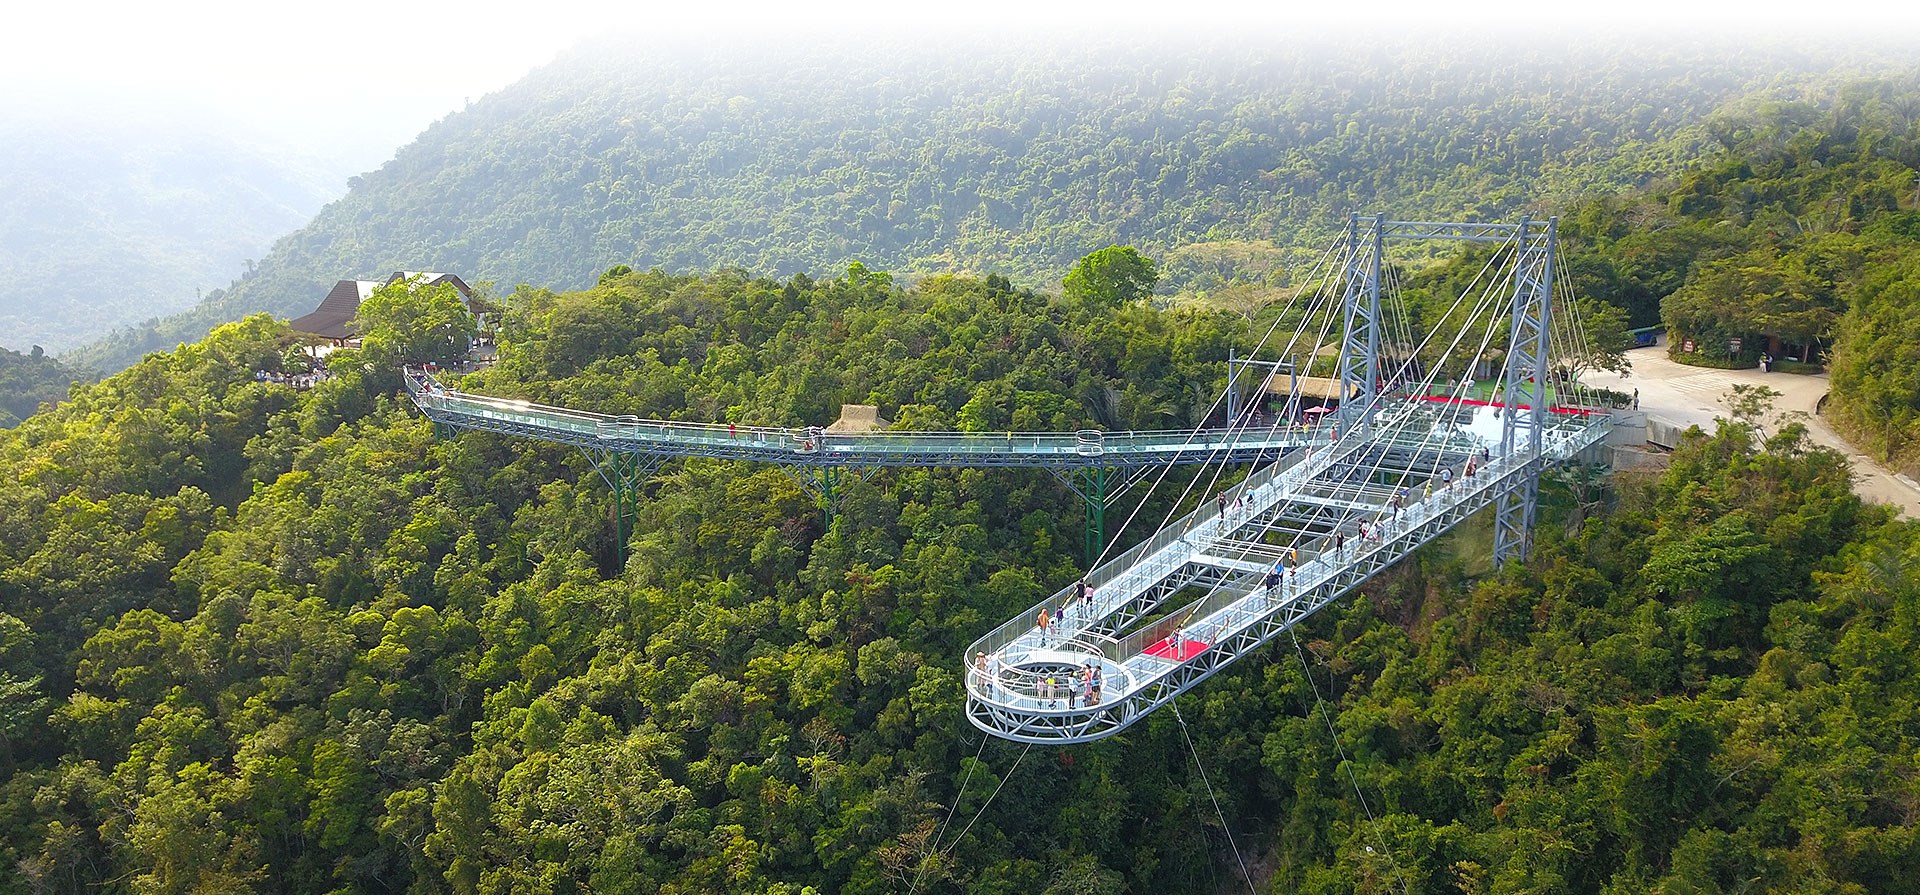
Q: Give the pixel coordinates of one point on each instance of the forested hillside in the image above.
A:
(28, 380)
(1018, 159)
(109, 225)
(257, 639)
(1802, 225)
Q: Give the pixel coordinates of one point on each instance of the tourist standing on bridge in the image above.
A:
(1044, 622)
(980, 670)
(1275, 575)
(1340, 542)
(1086, 600)
(1446, 477)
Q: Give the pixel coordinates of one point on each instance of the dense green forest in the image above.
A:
(1803, 225)
(1224, 159)
(259, 639)
(28, 380)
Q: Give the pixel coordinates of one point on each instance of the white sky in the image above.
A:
(388, 69)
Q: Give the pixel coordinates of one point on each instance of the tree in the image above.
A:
(409, 323)
(1597, 336)
(1112, 276)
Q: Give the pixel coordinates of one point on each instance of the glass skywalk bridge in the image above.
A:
(815, 447)
(1189, 601)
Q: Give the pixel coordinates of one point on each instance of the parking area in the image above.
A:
(1687, 396)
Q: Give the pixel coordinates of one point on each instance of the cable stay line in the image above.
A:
(1390, 460)
(1215, 799)
(1373, 823)
(940, 852)
(934, 846)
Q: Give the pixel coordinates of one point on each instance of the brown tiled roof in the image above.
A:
(432, 277)
(333, 319)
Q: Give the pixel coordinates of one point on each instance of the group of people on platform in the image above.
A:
(1076, 686)
(296, 380)
(1077, 608)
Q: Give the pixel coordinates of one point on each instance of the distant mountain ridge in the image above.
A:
(108, 225)
(1009, 160)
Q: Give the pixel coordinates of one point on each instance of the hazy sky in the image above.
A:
(364, 77)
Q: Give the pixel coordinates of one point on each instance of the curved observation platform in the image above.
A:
(1174, 610)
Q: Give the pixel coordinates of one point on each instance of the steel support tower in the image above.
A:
(1359, 364)
(1526, 382)
(1525, 379)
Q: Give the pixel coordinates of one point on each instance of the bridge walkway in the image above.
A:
(1174, 610)
(813, 447)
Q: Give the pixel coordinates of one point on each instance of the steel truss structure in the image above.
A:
(1332, 504)
(1349, 508)
(1221, 559)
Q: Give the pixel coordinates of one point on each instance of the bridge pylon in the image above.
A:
(1359, 361)
(1525, 382)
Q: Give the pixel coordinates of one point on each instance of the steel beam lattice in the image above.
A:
(1233, 614)
(1526, 383)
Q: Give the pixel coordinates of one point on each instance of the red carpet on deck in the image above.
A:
(1474, 402)
(1188, 649)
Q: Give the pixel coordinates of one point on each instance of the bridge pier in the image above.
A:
(1090, 483)
(624, 473)
(823, 482)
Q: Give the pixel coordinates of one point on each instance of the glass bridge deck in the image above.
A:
(816, 447)
(1190, 600)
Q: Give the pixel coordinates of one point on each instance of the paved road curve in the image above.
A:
(1686, 396)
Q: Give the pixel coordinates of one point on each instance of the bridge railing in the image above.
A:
(1149, 561)
(429, 393)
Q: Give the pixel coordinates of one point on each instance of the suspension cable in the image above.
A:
(1373, 823)
(962, 791)
(1216, 799)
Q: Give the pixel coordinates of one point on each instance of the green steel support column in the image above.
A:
(829, 482)
(624, 473)
(1090, 482)
(625, 500)
(823, 482)
(1092, 485)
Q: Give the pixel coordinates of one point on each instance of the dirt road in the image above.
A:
(1686, 396)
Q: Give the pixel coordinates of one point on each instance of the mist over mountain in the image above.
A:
(1015, 159)
(109, 223)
